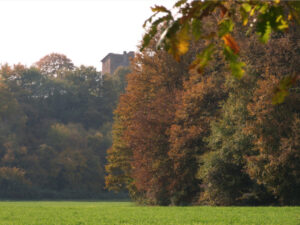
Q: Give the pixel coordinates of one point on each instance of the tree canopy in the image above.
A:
(188, 132)
(55, 128)
(187, 22)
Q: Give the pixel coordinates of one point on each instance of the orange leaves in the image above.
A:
(224, 10)
(225, 27)
(230, 42)
(275, 130)
(144, 116)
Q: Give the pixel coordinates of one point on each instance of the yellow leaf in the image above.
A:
(183, 39)
(252, 12)
(183, 47)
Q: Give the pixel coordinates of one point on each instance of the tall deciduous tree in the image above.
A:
(55, 65)
(275, 160)
(273, 125)
(197, 107)
(141, 135)
(223, 168)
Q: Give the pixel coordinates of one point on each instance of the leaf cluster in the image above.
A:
(186, 22)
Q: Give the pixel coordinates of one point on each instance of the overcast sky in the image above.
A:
(84, 30)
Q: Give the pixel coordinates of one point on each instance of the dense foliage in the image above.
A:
(183, 136)
(185, 130)
(55, 128)
(186, 21)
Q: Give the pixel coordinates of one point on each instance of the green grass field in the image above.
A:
(113, 213)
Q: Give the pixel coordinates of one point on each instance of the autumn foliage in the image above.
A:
(55, 125)
(141, 132)
(181, 137)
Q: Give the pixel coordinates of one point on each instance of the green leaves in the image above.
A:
(282, 90)
(235, 65)
(154, 25)
(264, 31)
(196, 29)
(153, 30)
(225, 27)
(160, 9)
(247, 7)
(176, 39)
(202, 59)
(191, 17)
(179, 3)
(272, 18)
(246, 11)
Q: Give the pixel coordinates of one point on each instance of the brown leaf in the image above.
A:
(229, 41)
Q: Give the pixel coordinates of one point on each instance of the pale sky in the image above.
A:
(84, 30)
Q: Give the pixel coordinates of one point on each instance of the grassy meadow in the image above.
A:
(113, 213)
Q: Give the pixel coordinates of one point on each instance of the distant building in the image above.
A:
(112, 61)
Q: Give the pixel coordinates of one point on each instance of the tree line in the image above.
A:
(55, 128)
(182, 136)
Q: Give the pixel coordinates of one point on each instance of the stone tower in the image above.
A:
(112, 61)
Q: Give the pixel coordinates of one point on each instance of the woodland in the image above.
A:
(55, 128)
(210, 115)
(207, 114)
